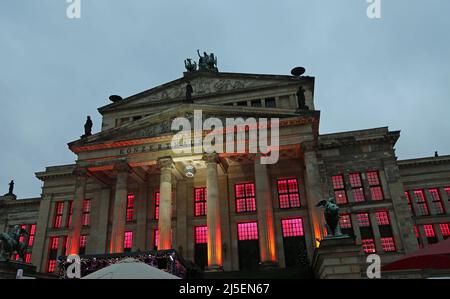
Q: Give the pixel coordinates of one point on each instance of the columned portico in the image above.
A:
(80, 192)
(266, 228)
(213, 212)
(165, 205)
(313, 190)
(120, 202)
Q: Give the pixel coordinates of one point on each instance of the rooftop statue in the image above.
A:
(11, 243)
(87, 127)
(206, 62)
(11, 188)
(331, 214)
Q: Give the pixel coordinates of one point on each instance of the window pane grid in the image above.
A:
(201, 234)
(363, 219)
(429, 230)
(130, 208)
(368, 245)
(421, 202)
(445, 230)
(59, 208)
(376, 191)
(345, 221)
(247, 231)
(200, 198)
(245, 197)
(128, 240)
(408, 200)
(437, 201)
(292, 227)
(382, 218)
(288, 196)
(86, 212)
(156, 205)
(388, 244)
(339, 189)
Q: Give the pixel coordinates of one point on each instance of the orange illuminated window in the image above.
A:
(339, 189)
(288, 193)
(200, 201)
(357, 187)
(376, 191)
(130, 208)
(57, 220)
(245, 197)
(201, 234)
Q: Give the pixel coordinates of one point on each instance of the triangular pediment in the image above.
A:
(204, 84)
(160, 124)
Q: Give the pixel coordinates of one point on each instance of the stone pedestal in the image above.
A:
(8, 270)
(338, 258)
(8, 197)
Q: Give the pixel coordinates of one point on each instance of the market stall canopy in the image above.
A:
(435, 256)
(130, 269)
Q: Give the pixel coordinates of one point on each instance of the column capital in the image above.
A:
(211, 158)
(165, 162)
(122, 167)
(80, 171)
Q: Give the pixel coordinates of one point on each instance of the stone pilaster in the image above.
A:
(99, 238)
(213, 218)
(141, 211)
(429, 200)
(120, 204)
(165, 204)
(77, 210)
(376, 232)
(39, 249)
(266, 227)
(356, 229)
(438, 233)
(313, 191)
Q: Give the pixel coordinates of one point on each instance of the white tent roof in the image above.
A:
(130, 269)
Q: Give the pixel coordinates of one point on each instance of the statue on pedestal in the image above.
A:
(331, 214)
(87, 127)
(189, 91)
(11, 188)
(301, 100)
(11, 243)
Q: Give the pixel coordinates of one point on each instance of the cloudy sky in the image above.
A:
(54, 71)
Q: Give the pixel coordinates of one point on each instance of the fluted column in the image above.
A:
(266, 227)
(313, 190)
(120, 205)
(213, 212)
(77, 210)
(165, 204)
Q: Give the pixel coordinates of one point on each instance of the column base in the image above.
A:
(214, 268)
(268, 265)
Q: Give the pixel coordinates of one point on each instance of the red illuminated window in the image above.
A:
(22, 238)
(155, 238)
(28, 257)
(408, 200)
(200, 201)
(363, 219)
(288, 193)
(421, 203)
(345, 221)
(447, 190)
(54, 243)
(86, 212)
(368, 245)
(429, 230)
(130, 208)
(59, 208)
(292, 227)
(51, 266)
(357, 187)
(437, 201)
(247, 231)
(128, 241)
(388, 244)
(382, 218)
(416, 231)
(445, 230)
(201, 234)
(156, 205)
(32, 232)
(339, 189)
(83, 244)
(69, 215)
(245, 197)
(65, 245)
(376, 191)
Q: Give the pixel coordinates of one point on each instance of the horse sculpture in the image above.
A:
(331, 214)
(11, 243)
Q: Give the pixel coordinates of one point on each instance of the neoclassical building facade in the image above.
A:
(130, 191)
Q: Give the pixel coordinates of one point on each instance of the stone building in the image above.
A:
(129, 190)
